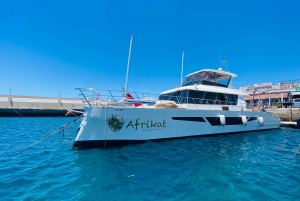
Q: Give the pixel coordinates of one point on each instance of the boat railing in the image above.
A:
(217, 104)
(98, 97)
(200, 103)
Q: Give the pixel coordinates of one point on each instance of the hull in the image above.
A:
(114, 126)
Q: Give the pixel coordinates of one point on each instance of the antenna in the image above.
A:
(223, 61)
(182, 67)
(128, 65)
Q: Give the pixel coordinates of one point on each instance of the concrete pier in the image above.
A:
(286, 114)
(37, 106)
(288, 124)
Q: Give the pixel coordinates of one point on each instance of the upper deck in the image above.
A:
(210, 77)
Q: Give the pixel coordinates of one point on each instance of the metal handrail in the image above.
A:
(115, 97)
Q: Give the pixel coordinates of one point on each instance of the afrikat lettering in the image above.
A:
(137, 124)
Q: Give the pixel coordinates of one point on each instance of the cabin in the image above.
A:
(207, 88)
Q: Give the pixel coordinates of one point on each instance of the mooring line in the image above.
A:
(52, 133)
(105, 128)
(18, 113)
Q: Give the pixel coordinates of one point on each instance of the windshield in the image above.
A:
(208, 78)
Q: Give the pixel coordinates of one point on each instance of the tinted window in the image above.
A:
(175, 96)
(222, 99)
(168, 96)
(224, 81)
(184, 95)
(162, 97)
(232, 99)
(196, 97)
(200, 97)
(178, 96)
(210, 97)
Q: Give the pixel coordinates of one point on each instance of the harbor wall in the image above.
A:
(37, 106)
(286, 114)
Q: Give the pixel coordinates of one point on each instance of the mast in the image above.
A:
(182, 60)
(128, 65)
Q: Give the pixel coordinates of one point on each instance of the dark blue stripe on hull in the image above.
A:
(252, 119)
(198, 119)
(88, 144)
(215, 121)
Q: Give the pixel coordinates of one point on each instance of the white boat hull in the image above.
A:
(112, 126)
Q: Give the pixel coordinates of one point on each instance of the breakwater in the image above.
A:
(37, 106)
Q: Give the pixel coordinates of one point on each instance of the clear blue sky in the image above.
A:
(51, 46)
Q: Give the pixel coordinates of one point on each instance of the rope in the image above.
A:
(105, 128)
(48, 135)
(18, 113)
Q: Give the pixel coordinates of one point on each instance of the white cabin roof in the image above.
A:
(209, 89)
(220, 71)
(204, 75)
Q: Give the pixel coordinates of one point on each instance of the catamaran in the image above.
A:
(205, 104)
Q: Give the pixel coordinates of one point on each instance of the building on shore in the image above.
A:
(283, 94)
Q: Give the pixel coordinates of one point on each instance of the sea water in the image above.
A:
(243, 166)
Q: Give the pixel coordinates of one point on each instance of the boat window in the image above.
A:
(196, 97)
(191, 80)
(224, 81)
(210, 97)
(232, 99)
(175, 96)
(200, 97)
(208, 78)
(162, 97)
(184, 95)
(168, 96)
(165, 97)
(222, 99)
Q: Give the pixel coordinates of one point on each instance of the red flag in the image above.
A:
(129, 96)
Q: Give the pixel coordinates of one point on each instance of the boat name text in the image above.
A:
(146, 124)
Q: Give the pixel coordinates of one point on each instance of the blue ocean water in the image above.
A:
(246, 166)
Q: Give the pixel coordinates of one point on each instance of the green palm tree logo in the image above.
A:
(115, 123)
